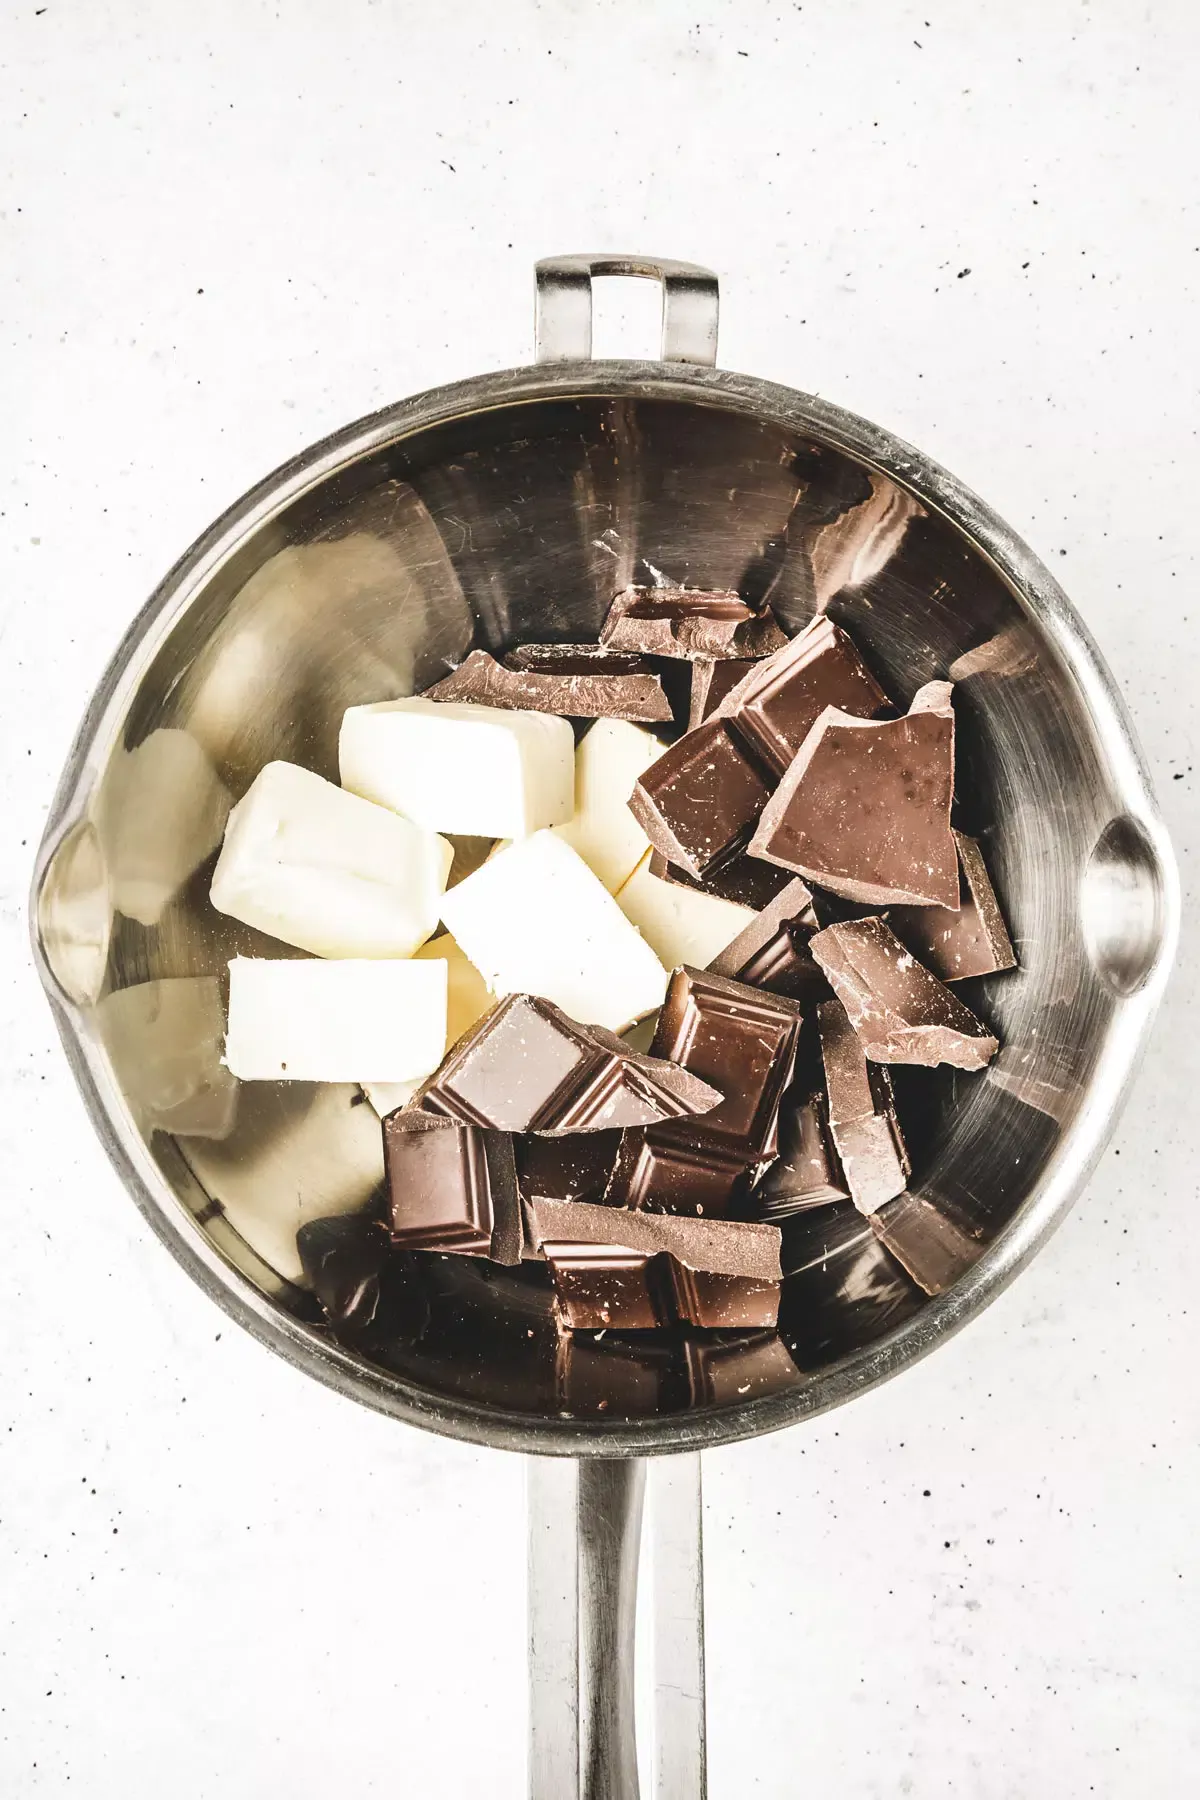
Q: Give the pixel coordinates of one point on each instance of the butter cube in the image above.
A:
(535, 920)
(476, 771)
(335, 1021)
(327, 871)
(680, 924)
(608, 764)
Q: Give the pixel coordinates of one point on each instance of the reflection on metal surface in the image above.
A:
(852, 550)
(1122, 906)
(74, 915)
(160, 812)
(164, 1039)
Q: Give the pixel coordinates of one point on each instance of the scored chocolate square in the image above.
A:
(778, 701)
(677, 1178)
(700, 800)
(451, 1187)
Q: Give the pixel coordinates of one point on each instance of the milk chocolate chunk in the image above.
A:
(746, 881)
(451, 1187)
(482, 681)
(343, 1259)
(574, 1167)
(777, 703)
(861, 1113)
(900, 1011)
(741, 1039)
(675, 1178)
(807, 1171)
(527, 1067)
(927, 1245)
(699, 801)
(864, 808)
(712, 679)
(689, 622)
(972, 941)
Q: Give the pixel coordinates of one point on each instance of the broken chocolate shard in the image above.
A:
(343, 1259)
(741, 1039)
(574, 1167)
(864, 808)
(901, 1013)
(777, 703)
(577, 659)
(807, 1171)
(526, 1066)
(955, 945)
(606, 1286)
(699, 801)
(712, 679)
(746, 881)
(664, 621)
(482, 681)
(674, 1178)
(720, 1373)
(715, 1246)
(927, 1245)
(861, 1112)
(451, 1187)
(791, 905)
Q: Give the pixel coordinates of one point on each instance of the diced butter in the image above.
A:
(326, 870)
(335, 1021)
(476, 771)
(680, 924)
(535, 920)
(608, 763)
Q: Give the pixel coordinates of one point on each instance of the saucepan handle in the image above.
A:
(585, 1530)
(691, 305)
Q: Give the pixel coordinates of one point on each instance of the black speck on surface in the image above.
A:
(963, 272)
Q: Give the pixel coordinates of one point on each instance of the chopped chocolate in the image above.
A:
(675, 1178)
(452, 1187)
(689, 622)
(699, 801)
(711, 1246)
(711, 681)
(599, 1286)
(746, 881)
(927, 1245)
(807, 1171)
(343, 1258)
(791, 905)
(527, 1067)
(576, 659)
(972, 941)
(719, 1373)
(742, 1038)
(614, 1376)
(776, 704)
(861, 1114)
(482, 681)
(864, 808)
(577, 1167)
(901, 1012)
(784, 966)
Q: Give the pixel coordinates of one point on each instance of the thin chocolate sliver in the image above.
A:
(901, 1013)
(526, 1066)
(715, 1246)
(451, 1187)
(864, 808)
(927, 1245)
(862, 1114)
(576, 659)
(482, 681)
(955, 945)
(779, 700)
(699, 801)
(343, 1259)
(686, 622)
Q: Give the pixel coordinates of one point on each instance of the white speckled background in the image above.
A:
(226, 229)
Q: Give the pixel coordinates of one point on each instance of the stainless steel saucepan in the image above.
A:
(510, 508)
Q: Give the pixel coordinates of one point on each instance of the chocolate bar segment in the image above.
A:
(526, 1066)
(664, 621)
(864, 808)
(599, 1286)
(577, 1166)
(713, 1246)
(451, 1187)
(712, 678)
(927, 1245)
(901, 1013)
(722, 1373)
(482, 681)
(671, 1177)
(576, 659)
(807, 1171)
(792, 905)
(972, 941)
(343, 1259)
(746, 881)
(861, 1113)
(698, 803)
(777, 703)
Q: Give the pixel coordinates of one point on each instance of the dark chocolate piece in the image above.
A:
(577, 659)
(676, 1178)
(777, 703)
(791, 905)
(482, 681)
(807, 1171)
(603, 1286)
(527, 1067)
(861, 1113)
(665, 621)
(721, 1373)
(712, 679)
(864, 808)
(452, 1187)
(710, 1246)
(698, 802)
(343, 1259)
(901, 1012)
(746, 881)
(784, 966)
(742, 1039)
(577, 1167)
(616, 1376)
(972, 941)
(927, 1245)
